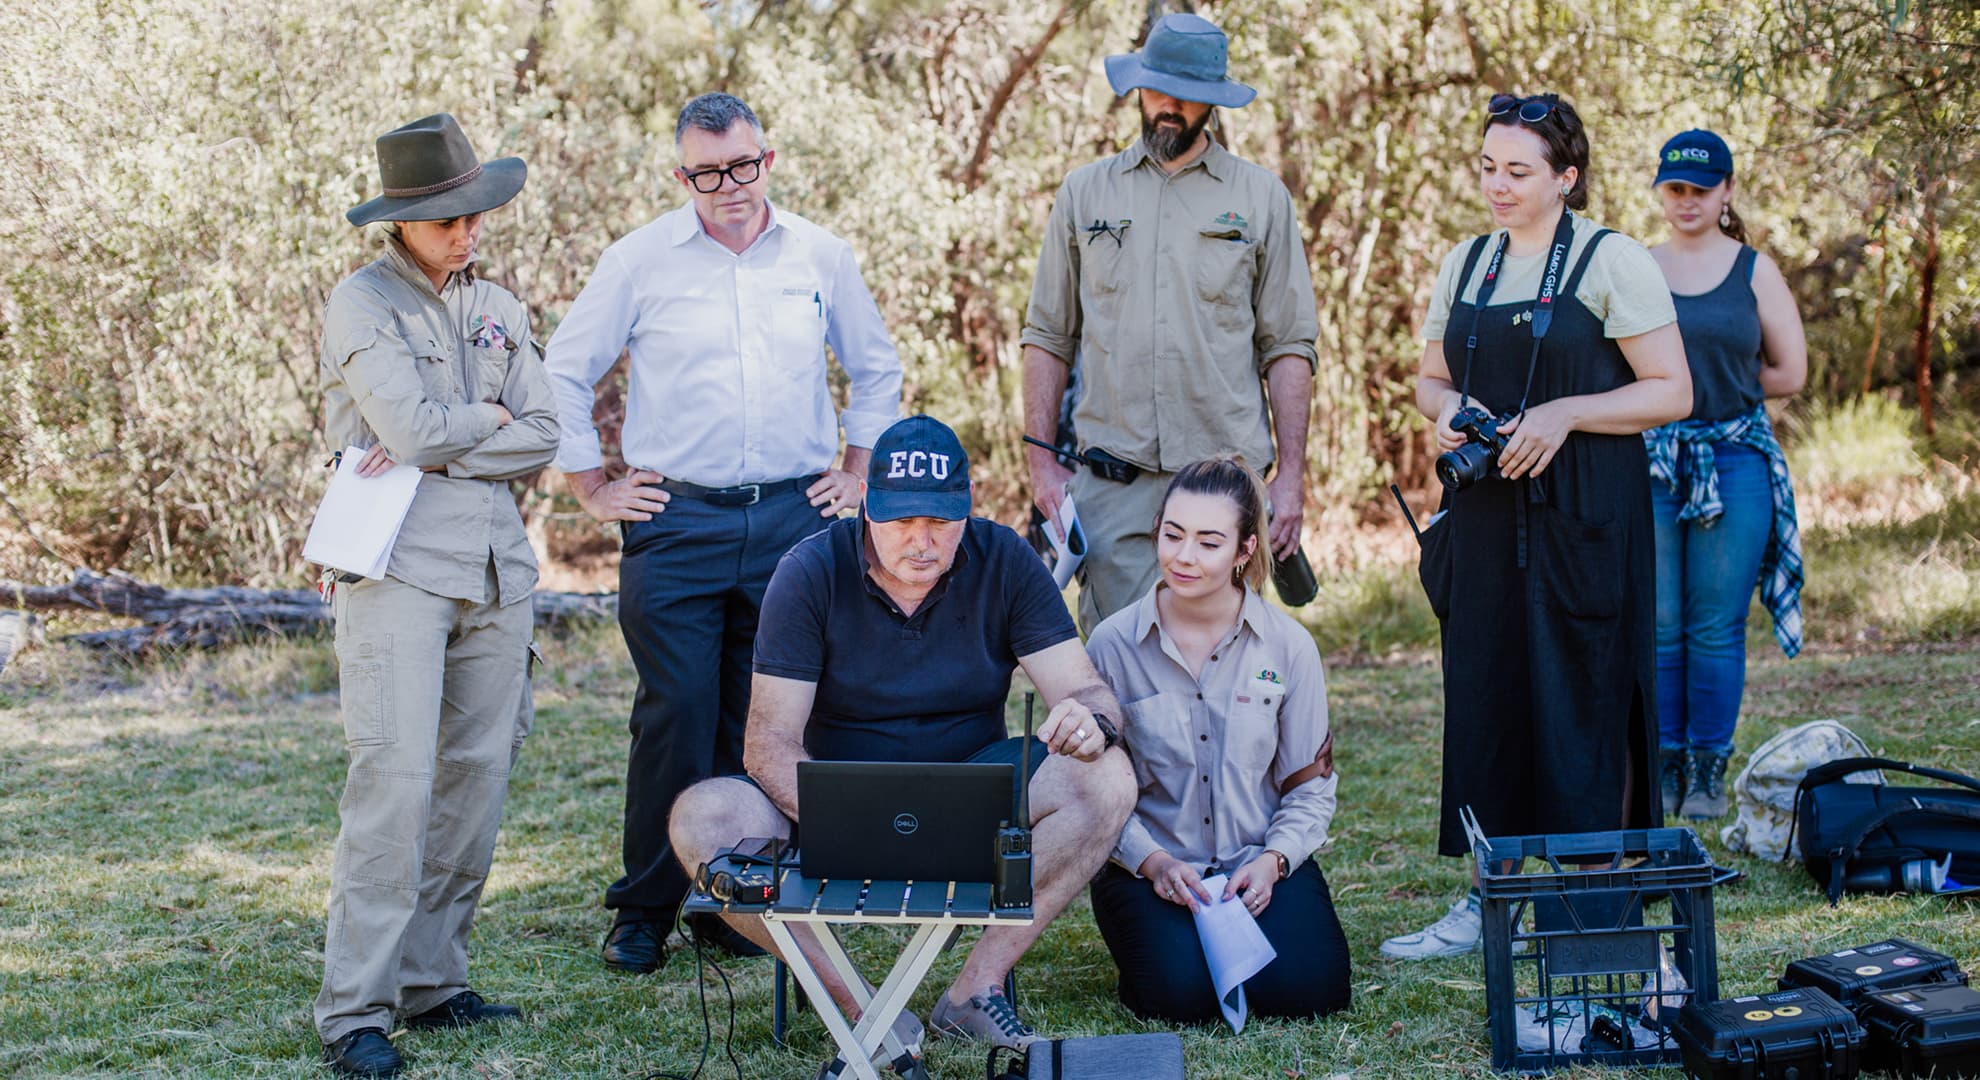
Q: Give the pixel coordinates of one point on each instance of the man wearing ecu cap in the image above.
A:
(1173, 273)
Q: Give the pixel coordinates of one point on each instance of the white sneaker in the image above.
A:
(1457, 933)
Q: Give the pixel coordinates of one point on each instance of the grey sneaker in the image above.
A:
(1456, 934)
(989, 1017)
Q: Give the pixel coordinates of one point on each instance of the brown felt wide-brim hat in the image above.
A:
(430, 173)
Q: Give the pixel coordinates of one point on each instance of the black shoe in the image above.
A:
(364, 1052)
(1672, 765)
(464, 1008)
(715, 934)
(1706, 797)
(635, 947)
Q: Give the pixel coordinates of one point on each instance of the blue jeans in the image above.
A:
(1705, 584)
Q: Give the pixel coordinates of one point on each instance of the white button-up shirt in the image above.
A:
(728, 353)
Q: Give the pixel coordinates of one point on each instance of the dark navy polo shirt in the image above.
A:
(892, 687)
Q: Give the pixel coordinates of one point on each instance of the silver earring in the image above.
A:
(1725, 216)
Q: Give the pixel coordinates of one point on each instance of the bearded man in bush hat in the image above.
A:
(1174, 273)
(428, 365)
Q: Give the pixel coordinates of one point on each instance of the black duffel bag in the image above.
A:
(1885, 838)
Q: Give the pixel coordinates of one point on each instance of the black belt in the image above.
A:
(741, 494)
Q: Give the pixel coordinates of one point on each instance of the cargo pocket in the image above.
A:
(490, 365)
(1434, 565)
(1251, 739)
(1577, 565)
(364, 691)
(1224, 270)
(1103, 273)
(526, 708)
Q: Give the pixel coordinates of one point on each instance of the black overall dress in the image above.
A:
(1545, 592)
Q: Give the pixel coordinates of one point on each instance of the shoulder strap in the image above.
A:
(1743, 266)
(1828, 771)
(1587, 256)
(1470, 263)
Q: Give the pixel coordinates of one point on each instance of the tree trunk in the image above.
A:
(1928, 272)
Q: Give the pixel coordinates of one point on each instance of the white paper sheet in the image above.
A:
(1068, 542)
(358, 520)
(1233, 945)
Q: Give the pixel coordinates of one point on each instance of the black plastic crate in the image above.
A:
(1571, 952)
(1799, 1034)
(1849, 975)
(1927, 1030)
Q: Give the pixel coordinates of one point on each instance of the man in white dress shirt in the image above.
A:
(726, 306)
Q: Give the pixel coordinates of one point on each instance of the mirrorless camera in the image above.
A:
(1478, 458)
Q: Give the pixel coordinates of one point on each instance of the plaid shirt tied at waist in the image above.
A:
(1681, 457)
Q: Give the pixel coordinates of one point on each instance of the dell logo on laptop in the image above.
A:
(906, 824)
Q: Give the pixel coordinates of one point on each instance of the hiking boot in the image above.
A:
(462, 1010)
(988, 1016)
(1457, 933)
(365, 1052)
(1706, 798)
(1671, 769)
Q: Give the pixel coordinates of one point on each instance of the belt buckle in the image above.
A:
(746, 494)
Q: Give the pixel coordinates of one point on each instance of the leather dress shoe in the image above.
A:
(635, 947)
(713, 933)
(364, 1052)
(464, 1008)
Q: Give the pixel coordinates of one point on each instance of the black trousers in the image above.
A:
(1164, 976)
(691, 587)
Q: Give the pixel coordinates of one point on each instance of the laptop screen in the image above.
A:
(901, 821)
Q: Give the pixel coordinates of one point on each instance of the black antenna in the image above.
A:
(1023, 820)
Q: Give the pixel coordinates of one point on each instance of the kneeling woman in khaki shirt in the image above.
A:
(1227, 723)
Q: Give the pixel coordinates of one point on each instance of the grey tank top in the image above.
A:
(1721, 330)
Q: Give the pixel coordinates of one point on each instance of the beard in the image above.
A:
(1168, 144)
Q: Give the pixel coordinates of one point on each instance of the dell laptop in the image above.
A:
(902, 821)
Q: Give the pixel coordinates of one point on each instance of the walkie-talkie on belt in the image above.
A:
(1012, 884)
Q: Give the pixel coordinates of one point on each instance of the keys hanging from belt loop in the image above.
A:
(326, 584)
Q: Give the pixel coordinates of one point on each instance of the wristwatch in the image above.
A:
(1110, 734)
(1285, 864)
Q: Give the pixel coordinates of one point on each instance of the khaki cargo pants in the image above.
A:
(1119, 521)
(435, 700)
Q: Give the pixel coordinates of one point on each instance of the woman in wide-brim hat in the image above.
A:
(425, 365)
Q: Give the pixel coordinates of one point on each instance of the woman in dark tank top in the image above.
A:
(1723, 503)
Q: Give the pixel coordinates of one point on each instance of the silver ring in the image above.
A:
(1079, 733)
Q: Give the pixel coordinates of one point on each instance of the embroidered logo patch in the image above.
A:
(1230, 219)
(1267, 675)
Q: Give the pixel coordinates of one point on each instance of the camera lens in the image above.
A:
(1464, 466)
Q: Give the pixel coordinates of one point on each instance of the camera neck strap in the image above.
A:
(1541, 318)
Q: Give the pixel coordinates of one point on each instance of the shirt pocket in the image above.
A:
(1225, 269)
(490, 367)
(1103, 272)
(1251, 737)
(1159, 731)
(436, 371)
(797, 330)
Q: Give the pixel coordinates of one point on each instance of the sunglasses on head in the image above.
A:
(1532, 110)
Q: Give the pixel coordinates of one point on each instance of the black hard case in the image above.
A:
(1799, 1034)
(1925, 1030)
(1891, 964)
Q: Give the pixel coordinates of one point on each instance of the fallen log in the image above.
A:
(220, 615)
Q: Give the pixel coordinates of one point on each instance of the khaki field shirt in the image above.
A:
(415, 369)
(1211, 753)
(1173, 293)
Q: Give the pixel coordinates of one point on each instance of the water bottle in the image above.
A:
(1293, 577)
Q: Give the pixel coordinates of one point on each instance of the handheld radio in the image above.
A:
(1012, 883)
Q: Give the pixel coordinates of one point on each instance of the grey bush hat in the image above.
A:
(431, 173)
(1184, 57)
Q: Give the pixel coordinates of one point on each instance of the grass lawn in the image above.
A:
(165, 839)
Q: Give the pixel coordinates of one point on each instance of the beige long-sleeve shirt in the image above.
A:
(421, 371)
(1175, 293)
(1212, 752)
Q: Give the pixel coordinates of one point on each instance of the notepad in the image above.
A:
(359, 518)
(1233, 945)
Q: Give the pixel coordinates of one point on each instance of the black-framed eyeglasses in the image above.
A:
(709, 181)
(1532, 110)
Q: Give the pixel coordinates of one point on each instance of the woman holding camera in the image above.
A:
(1723, 501)
(1226, 708)
(1562, 348)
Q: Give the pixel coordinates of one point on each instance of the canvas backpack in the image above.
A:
(1763, 793)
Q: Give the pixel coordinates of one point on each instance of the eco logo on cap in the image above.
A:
(1689, 153)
